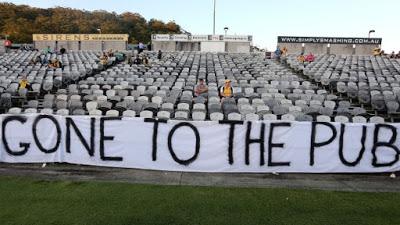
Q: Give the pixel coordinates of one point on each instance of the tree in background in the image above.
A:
(21, 21)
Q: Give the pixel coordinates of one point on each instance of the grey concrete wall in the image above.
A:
(115, 45)
(316, 49)
(165, 46)
(237, 47)
(213, 46)
(293, 48)
(296, 48)
(91, 46)
(68, 45)
(342, 49)
(196, 46)
(188, 46)
(365, 49)
(43, 44)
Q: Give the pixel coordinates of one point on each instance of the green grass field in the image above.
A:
(29, 201)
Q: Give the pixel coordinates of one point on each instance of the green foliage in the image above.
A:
(21, 21)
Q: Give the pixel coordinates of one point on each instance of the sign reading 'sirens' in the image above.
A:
(80, 37)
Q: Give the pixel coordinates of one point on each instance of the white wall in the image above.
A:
(165, 46)
(212, 46)
(91, 46)
(238, 47)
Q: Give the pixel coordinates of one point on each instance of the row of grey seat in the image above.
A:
(369, 80)
(263, 89)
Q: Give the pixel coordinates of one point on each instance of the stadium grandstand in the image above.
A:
(110, 117)
(332, 88)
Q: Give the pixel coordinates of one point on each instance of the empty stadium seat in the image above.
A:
(354, 87)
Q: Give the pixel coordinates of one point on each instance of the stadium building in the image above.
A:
(329, 45)
(202, 43)
(76, 42)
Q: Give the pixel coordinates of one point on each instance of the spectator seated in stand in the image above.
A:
(23, 83)
(43, 59)
(301, 59)
(226, 91)
(310, 58)
(62, 50)
(145, 60)
(137, 60)
(377, 52)
(119, 56)
(35, 60)
(110, 53)
(104, 59)
(159, 55)
(284, 51)
(47, 50)
(201, 89)
(278, 53)
(55, 64)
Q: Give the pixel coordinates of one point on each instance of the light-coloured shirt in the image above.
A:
(201, 88)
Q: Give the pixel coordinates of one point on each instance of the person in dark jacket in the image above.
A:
(62, 50)
(159, 55)
(137, 60)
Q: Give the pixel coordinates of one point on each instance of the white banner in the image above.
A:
(227, 146)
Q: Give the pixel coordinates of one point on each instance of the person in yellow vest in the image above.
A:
(226, 91)
(23, 83)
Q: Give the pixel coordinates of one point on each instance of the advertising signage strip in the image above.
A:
(185, 37)
(329, 40)
(161, 37)
(236, 38)
(180, 37)
(200, 38)
(80, 37)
